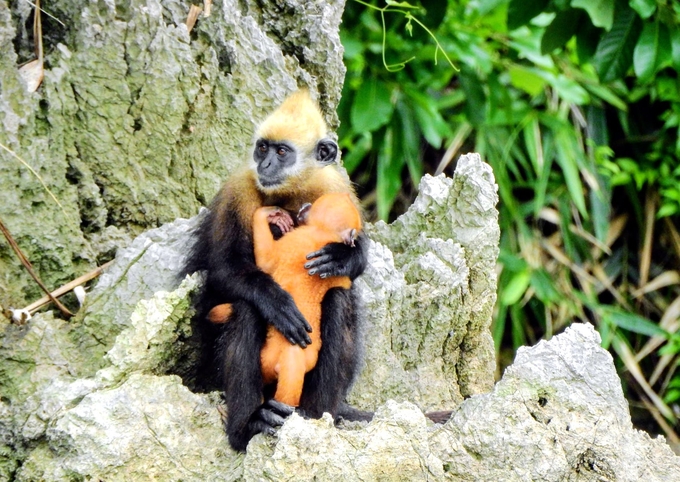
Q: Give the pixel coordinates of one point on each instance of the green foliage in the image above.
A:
(576, 105)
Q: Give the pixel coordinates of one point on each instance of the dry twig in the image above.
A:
(33, 307)
(31, 271)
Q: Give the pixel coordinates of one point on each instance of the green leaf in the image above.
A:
(646, 52)
(587, 38)
(666, 210)
(600, 208)
(430, 121)
(664, 57)
(606, 94)
(526, 79)
(561, 29)
(410, 141)
(614, 53)
(542, 164)
(543, 285)
(601, 12)
(352, 45)
(358, 151)
(600, 195)
(511, 262)
(675, 47)
(632, 322)
(644, 8)
(488, 9)
(567, 155)
(519, 322)
(475, 98)
(532, 142)
(498, 326)
(520, 12)
(671, 396)
(568, 89)
(516, 287)
(372, 107)
(435, 13)
(388, 180)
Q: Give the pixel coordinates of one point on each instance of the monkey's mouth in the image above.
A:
(270, 183)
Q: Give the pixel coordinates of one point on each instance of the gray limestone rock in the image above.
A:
(136, 322)
(149, 264)
(429, 292)
(146, 428)
(558, 414)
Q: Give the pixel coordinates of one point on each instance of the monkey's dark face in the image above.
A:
(276, 161)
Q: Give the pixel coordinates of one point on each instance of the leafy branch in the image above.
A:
(405, 9)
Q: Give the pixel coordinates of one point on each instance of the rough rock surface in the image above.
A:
(558, 414)
(134, 324)
(429, 291)
(138, 120)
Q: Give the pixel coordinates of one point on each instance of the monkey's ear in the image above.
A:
(326, 152)
(303, 213)
(349, 236)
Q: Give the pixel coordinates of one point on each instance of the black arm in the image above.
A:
(232, 275)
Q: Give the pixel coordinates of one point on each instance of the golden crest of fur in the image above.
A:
(298, 120)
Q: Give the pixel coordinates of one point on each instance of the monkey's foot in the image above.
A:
(440, 417)
(269, 416)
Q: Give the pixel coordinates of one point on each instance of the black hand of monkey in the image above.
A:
(337, 259)
(281, 312)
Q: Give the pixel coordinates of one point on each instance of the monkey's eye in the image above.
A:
(281, 151)
(262, 148)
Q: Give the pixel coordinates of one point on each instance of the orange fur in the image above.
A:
(329, 216)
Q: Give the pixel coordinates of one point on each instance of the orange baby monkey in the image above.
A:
(331, 218)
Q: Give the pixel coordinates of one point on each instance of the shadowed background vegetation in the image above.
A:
(576, 106)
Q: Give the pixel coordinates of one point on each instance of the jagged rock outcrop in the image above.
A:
(557, 415)
(430, 292)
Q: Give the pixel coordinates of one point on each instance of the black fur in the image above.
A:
(224, 251)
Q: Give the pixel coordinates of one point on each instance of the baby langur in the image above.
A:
(331, 218)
